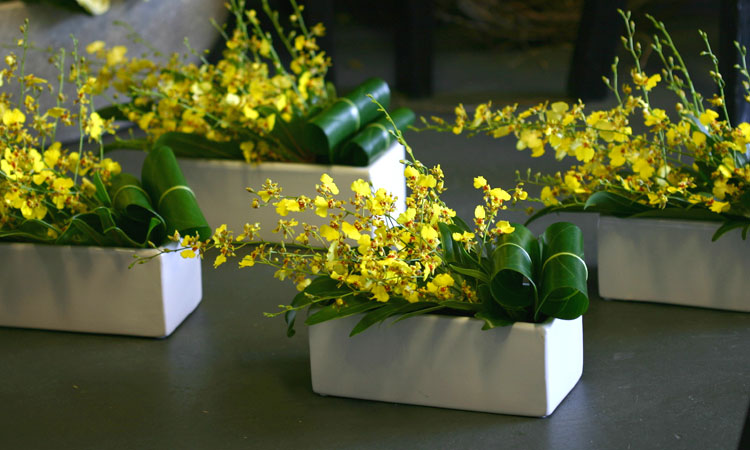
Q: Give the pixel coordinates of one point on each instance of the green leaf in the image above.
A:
(731, 225)
(325, 286)
(614, 204)
(680, 213)
(113, 112)
(327, 130)
(83, 231)
(189, 145)
(300, 300)
(744, 200)
(463, 226)
(514, 260)
(354, 305)
(373, 139)
(478, 274)
(446, 242)
(454, 252)
(379, 315)
(493, 315)
(31, 230)
(165, 184)
(101, 191)
(565, 207)
(563, 274)
(126, 144)
(461, 306)
(422, 308)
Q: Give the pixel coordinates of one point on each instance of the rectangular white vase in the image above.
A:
(91, 289)
(450, 362)
(219, 186)
(673, 261)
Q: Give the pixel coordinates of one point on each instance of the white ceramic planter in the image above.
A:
(450, 362)
(91, 289)
(219, 186)
(673, 261)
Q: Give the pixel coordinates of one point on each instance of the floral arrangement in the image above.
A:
(693, 165)
(51, 194)
(248, 105)
(369, 260)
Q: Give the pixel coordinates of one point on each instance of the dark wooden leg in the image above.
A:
(598, 36)
(734, 25)
(413, 41)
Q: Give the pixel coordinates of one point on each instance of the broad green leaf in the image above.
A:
(101, 191)
(300, 300)
(379, 315)
(112, 112)
(456, 253)
(703, 178)
(129, 198)
(126, 144)
(514, 264)
(565, 207)
(493, 315)
(446, 242)
(82, 231)
(420, 311)
(610, 203)
(290, 317)
(563, 291)
(189, 145)
(354, 305)
(461, 306)
(106, 219)
(745, 200)
(165, 184)
(325, 286)
(731, 225)
(32, 230)
(459, 222)
(373, 140)
(680, 213)
(478, 274)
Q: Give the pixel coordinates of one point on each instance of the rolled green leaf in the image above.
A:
(563, 273)
(374, 139)
(135, 211)
(350, 113)
(129, 198)
(514, 261)
(368, 111)
(173, 199)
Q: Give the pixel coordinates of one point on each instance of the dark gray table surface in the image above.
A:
(655, 376)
